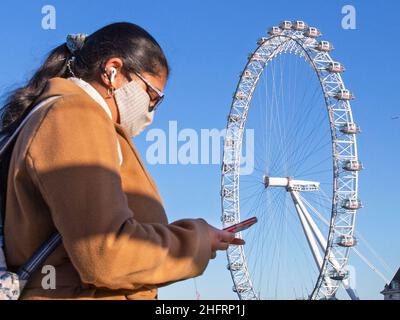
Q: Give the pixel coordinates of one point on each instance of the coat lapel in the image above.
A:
(123, 133)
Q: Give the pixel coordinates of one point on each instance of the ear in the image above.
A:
(113, 65)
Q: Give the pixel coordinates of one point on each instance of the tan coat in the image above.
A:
(65, 175)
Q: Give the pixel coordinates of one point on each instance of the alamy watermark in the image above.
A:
(49, 278)
(349, 19)
(190, 147)
(49, 17)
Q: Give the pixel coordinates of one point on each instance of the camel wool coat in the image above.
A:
(66, 176)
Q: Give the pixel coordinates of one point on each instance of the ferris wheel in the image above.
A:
(303, 184)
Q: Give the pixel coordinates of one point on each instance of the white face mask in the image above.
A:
(133, 104)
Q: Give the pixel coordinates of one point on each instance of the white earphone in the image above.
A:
(113, 72)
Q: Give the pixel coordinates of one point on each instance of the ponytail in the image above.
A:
(22, 99)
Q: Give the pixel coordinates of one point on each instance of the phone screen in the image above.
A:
(243, 225)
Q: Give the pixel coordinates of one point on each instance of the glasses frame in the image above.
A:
(160, 94)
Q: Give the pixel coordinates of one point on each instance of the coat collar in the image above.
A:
(59, 87)
(93, 93)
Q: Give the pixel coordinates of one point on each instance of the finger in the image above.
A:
(222, 246)
(238, 242)
(226, 236)
(213, 254)
(225, 245)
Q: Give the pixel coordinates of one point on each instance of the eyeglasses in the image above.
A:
(160, 95)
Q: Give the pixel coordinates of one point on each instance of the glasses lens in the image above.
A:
(160, 95)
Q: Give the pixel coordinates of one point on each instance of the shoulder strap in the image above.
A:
(11, 138)
(40, 255)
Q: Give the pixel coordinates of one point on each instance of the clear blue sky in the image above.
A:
(207, 43)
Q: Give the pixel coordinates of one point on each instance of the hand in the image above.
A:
(220, 240)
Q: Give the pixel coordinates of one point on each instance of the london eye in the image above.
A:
(303, 187)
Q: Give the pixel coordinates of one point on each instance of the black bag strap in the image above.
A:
(40, 255)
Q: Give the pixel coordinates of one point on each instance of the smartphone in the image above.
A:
(241, 225)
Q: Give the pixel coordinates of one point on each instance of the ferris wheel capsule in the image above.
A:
(234, 266)
(256, 57)
(229, 143)
(233, 118)
(352, 204)
(349, 128)
(286, 25)
(335, 67)
(352, 165)
(274, 31)
(324, 46)
(346, 241)
(299, 25)
(247, 75)
(339, 275)
(344, 94)
(240, 289)
(227, 167)
(240, 95)
(312, 32)
(228, 218)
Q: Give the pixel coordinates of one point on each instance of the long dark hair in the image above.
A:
(138, 50)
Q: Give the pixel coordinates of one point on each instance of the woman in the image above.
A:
(74, 170)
